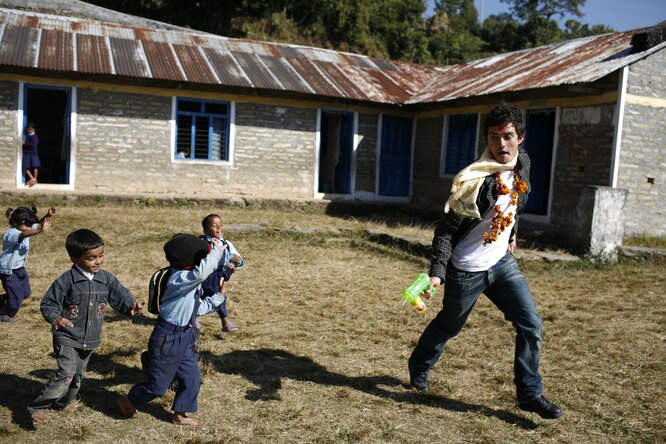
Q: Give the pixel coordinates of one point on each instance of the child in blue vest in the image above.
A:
(15, 248)
(213, 228)
(172, 348)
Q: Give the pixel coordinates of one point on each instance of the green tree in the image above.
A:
(453, 32)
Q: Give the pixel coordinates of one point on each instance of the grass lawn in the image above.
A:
(321, 353)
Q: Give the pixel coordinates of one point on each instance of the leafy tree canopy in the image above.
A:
(393, 29)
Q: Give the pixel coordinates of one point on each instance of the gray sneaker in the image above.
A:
(418, 380)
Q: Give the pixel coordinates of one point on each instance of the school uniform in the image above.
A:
(13, 275)
(172, 347)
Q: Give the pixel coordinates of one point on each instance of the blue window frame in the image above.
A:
(460, 148)
(202, 130)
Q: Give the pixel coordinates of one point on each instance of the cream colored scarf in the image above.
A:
(468, 181)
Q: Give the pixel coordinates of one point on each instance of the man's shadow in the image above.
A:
(266, 368)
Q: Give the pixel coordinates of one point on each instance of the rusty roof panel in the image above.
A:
(127, 58)
(286, 74)
(56, 50)
(92, 54)
(226, 68)
(309, 72)
(163, 64)
(18, 46)
(194, 64)
(254, 68)
(575, 61)
(343, 82)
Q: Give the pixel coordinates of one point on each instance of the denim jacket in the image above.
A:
(83, 302)
(452, 227)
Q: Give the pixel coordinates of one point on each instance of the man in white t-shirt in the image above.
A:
(472, 254)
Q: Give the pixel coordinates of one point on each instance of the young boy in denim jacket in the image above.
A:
(74, 305)
(172, 349)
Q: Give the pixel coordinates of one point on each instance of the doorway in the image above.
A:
(48, 109)
(395, 156)
(540, 129)
(335, 152)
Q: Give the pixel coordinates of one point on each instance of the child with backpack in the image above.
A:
(172, 348)
(15, 247)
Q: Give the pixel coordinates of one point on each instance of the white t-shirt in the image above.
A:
(470, 254)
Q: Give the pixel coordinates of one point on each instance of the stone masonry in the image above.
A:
(643, 153)
(9, 142)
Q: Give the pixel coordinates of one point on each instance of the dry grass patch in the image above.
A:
(324, 339)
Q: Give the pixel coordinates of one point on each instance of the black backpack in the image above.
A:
(156, 289)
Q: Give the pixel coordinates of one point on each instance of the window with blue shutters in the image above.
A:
(202, 130)
(460, 142)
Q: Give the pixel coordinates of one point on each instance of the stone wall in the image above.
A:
(584, 157)
(123, 146)
(642, 168)
(275, 151)
(9, 142)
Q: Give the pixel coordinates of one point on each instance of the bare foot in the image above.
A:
(38, 417)
(180, 418)
(127, 409)
(32, 182)
(70, 408)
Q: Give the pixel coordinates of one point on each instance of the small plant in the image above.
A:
(182, 202)
(99, 198)
(151, 201)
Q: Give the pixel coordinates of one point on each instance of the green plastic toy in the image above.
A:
(412, 294)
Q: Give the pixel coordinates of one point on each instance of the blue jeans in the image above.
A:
(63, 387)
(506, 287)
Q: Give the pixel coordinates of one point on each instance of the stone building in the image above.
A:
(127, 106)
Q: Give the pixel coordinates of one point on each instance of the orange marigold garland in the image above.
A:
(501, 221)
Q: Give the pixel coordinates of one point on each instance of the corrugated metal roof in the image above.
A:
(67, 44)
(575, 61)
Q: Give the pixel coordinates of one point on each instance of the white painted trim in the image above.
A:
(73, 139)
(232, 133)
(618, 121)
(19, 135)
(172, 129)
(315, 185)
(355, 142)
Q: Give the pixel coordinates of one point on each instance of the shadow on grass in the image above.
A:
(267, 367)
(17, 392)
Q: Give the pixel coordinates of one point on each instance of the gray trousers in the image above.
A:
(62, 388)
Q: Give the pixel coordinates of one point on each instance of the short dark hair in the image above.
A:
(22, 216)
(206, 220)
(82, 240)
(503, 114)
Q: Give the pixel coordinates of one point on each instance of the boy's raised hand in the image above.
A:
(136, 308)
(62, 322)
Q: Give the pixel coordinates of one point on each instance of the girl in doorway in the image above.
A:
(31, 163)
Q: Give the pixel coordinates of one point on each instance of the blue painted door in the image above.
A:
(540, 129)
(395, 156)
